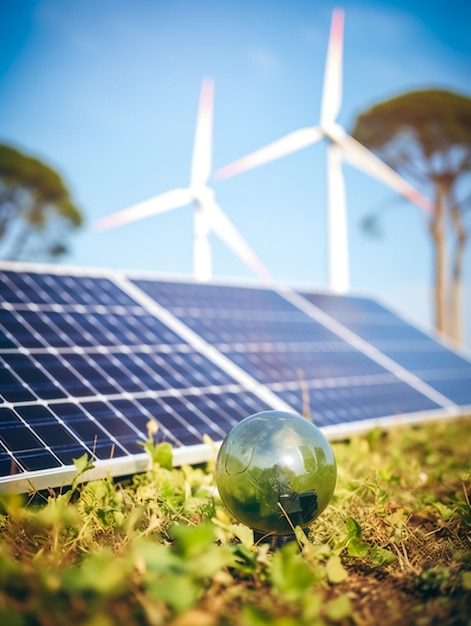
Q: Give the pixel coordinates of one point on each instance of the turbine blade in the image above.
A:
(226, 230)
(332, 89)
(158, 204)
(201, 163)
(339, 277)
(297, 140)
(362, 158)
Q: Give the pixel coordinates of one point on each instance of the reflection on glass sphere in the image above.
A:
(275, 465)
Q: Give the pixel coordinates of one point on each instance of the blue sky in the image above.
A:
(107, 93)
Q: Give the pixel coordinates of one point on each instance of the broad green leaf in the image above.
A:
(83, 463)
(301, 537)
(445, 512)
(353, 527)
(336, 573)
(243, 533)
(156, 559)
(191, 540)
(209, 562)
(339, 609)
(255, 616)
(357, 548)
(179, 591)
(312, 606)
(163, 455)
(100, 573)
(56, 512)
(381, 556)
(290, 574)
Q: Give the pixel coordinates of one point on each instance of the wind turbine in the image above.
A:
(208, 216)
(341, 146)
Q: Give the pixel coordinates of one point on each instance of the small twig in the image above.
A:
(287, 516)
(262, 538)
(290, 523)
(399, 555)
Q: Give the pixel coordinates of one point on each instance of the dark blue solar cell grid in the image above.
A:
(268, 337)
(8, 289)
(49, 376)
(85, 368)
(66, 328)
(452, 384)
(116, 425)
(37, 288)
(346, 307)
(12, 388)
(280, 346)
(28, 450)
(408, 346)
(231, 315)
(26, 370)
(213, 297)
(15, 332)
(8, 465)
(96, 438)
(186, 419)
(68, 378)
(57, 438)
(356, 401)
(284, 364)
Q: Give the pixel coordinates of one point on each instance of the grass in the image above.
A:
(393, 547)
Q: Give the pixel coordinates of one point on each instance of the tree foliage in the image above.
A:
(36, 210)
(426, 136)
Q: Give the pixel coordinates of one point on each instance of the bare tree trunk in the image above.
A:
(457, 276)
(438, 233)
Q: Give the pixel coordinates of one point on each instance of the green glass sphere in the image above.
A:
(275, 465)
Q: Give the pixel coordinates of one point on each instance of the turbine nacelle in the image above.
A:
(202, 194)
(333, 132)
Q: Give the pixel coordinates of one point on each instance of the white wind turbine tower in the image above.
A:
(341, 146)
(208, 216)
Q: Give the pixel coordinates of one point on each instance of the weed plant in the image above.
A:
(158, 548)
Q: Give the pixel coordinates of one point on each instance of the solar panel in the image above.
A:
(88, 358)
(431, 361)
(310, 354)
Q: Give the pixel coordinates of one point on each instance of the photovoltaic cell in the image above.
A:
(84, 367)
(307, 364)
(431, 361)
(88, 359)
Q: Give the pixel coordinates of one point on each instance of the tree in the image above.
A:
(36, 210)
(426, 136)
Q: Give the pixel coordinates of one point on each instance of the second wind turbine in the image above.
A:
(341, 146)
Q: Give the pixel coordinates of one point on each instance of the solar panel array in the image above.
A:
(432, 362)
(88, 359)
